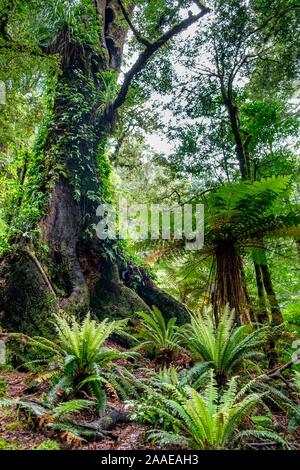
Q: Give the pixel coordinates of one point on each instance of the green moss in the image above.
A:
(3, 387)
(4, 445)
(15, 350)
(104, 169)
(120, 302)
(20, 353)
(292, 313)
(48, 444)
(15, 426)
(27, 304)
(6, 368)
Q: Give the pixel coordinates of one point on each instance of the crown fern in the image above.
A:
(83, 361)
(207, 420)
(224, 346)
(157, 335)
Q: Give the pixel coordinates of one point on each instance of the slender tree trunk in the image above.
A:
(239, 144)
(265, 284)
(275, 309)
(262, 314)
(233, 114)
(243, 157)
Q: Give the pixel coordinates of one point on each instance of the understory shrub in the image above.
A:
(204, 420)
(83, 363)
(158, 336)
(223, 345)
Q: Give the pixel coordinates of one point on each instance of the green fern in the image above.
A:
(57, 417)
(70, 407)
(224, 346)
(40, 409)
(262, 434)
(82, 360)
(157, 335)
(195, 377)
(207, 420)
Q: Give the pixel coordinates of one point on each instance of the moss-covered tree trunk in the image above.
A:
(262, 314)
(265, 286)
(67, 266)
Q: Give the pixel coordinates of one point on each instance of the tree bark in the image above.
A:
(241, 154)
(276, 314)
(230, 287)
(265, 284)
(262, 314)
(83, 271)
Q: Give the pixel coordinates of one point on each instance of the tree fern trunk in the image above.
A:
(230, 287)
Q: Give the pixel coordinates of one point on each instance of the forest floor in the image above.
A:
(19, 434)
(16, 434)
(18, 431)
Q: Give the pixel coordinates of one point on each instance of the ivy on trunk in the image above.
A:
(83, 272)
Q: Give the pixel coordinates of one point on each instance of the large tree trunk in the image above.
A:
(78, 272)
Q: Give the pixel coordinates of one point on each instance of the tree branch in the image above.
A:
(41, 270)
(151, 49)
(200, 5)
(276, 17)
(277, 372)
(136, 33)
(3, 26)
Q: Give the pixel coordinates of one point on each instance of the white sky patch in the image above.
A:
(159, 144)
(159, 141)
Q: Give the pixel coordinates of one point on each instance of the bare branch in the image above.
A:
(41, 270)
(150, 50)
(136, 33)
